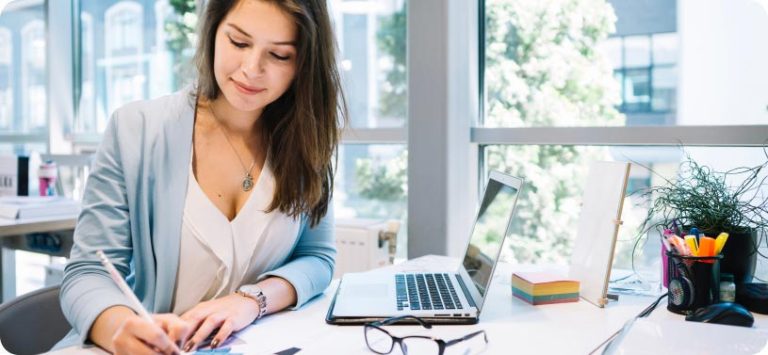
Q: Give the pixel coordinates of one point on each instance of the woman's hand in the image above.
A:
(138, 336)
(229, 314)
(119, 330)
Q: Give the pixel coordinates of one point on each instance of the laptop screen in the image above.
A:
(489, 232)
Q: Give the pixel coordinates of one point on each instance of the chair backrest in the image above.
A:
(32, 323)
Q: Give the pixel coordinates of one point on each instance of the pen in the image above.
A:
(132, 300)
(135, 304)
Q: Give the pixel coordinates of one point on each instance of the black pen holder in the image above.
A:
(694, 282)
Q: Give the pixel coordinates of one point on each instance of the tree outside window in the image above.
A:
(542, 68)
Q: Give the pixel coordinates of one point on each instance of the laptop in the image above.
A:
(443, 297)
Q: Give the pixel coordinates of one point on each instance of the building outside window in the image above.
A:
(645, 66)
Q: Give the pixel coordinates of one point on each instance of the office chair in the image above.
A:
(32, 323)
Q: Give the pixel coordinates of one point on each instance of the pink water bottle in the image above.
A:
(47, 177)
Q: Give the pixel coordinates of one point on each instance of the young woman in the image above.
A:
(215, 203)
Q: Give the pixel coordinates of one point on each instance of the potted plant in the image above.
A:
(733, 201)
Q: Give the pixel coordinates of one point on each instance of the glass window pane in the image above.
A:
(6, 83)
(546, 220)
(547, 70)
(637, 90)
(544, 68)
(127, 54)
(637, 51)
(23, 68)
(371, 183)
(665, 48)
(372, 39)
(664, 89)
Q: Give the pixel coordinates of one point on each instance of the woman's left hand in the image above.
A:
(229, 314)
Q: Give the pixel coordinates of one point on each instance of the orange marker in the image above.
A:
(707, 248)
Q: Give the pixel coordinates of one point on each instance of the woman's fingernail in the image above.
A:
(188, 347)
(214, 343)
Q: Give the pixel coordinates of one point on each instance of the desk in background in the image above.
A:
(513, 326)
(50, 236)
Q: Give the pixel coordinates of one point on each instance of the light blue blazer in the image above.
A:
(132, 210)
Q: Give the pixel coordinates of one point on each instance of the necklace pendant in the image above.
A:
(248, 182)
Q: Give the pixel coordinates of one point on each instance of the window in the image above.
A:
(371, 36)
(23, 76)
(646, 67)
(6, 81)
(547, 211)
(126, 55)
(33, 76)
(88, 121)
(372, 168)
(565, 69)
(123, 60)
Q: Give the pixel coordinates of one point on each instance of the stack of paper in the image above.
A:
(21, 207)
(544, 288)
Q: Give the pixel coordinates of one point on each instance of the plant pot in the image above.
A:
(740, 256)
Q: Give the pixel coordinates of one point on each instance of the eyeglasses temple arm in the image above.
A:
(466, 337)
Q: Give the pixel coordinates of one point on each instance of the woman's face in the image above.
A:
(255, 54)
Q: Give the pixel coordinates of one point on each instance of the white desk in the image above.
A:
(13, 235)
(512, 326)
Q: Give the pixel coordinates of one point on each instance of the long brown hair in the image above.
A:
(303, 126)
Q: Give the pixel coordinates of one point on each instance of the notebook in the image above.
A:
(23, 207)
(451, 296)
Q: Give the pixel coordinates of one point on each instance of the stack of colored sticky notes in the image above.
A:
(544, 288)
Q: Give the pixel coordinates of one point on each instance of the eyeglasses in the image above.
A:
(381, 342)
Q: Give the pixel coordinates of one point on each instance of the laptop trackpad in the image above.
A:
(364, 294)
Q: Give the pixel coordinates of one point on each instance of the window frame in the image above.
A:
(643, 136)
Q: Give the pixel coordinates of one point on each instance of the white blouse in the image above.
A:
(217, 255)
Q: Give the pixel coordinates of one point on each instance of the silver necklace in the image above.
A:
(248, 179)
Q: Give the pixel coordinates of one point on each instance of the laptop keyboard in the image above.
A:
(426, 292)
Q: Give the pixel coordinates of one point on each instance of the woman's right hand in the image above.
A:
(138, 336)
(121, 331)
